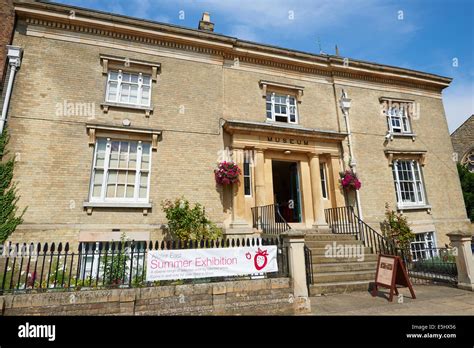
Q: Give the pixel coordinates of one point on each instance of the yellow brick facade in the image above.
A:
(197, 90)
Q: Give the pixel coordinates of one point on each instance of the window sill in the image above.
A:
(128, 205)
(147, 109)
(426, 207)
(401, 135)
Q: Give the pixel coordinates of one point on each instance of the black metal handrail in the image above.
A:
(343, 220)
(308, 259)
(267, 218)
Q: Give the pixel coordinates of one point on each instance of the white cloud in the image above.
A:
(458, 104)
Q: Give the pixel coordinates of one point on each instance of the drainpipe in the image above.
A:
(345, 104)
(14, 61)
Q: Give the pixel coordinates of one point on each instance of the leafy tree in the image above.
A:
(396, 228)
(189, 223)
(8, 198)
(467, 185)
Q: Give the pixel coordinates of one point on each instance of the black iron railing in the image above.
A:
(343, 220)
(98, 265)
(433, 265)
(268, 219)
(308, 259)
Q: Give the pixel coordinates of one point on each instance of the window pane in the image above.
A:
(134, 78)
(120, 191)
(146, 80)
(100, 156)
(98, 177)
(145, 95)
(110, 190)
(143, 185)
(121, 177)
(125, 77)
(130, 191)
(131, 178)
(112, 96)
(134, 94)
(125, 92)
(113, 75)
(247, 186)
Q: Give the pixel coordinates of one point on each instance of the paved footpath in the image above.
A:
(430, 300)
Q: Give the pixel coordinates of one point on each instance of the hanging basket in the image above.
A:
(227, 173)
(350, 181)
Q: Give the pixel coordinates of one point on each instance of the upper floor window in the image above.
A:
(128, 88)
(408, 181)
(398, 114)
(121, 171)
(281, 108)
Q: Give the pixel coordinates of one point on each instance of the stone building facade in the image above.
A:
(463, 143)
(110, 115)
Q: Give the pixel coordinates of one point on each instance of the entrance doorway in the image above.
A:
(286, 189)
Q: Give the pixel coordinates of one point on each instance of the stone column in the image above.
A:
(461, 241)
(259, 177)
(293, 240)
(338, 195)
(316, 192)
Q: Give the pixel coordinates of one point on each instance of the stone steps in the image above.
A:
(350, 249)
(329, 237)
(324, 243)
(338, 287)
(339, 274)
(318, 259)
(342, 277)
(344, 267)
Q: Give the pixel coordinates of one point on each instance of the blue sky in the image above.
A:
(426, 35)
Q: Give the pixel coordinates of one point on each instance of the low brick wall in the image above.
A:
(244, 297)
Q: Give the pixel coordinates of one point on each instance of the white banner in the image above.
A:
(204, 263)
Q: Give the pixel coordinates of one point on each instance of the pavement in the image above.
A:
(430, 300)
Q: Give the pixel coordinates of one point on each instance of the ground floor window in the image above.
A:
(424, 246)
(247, 177)
(324, 181)
(121, 171)
(107, 261)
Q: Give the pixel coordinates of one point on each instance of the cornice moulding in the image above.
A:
(103, 24)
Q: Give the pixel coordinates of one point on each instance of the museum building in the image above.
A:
(110, 115)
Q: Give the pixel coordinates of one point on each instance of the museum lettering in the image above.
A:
(288, 141)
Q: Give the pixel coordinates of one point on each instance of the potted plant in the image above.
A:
(227, 173)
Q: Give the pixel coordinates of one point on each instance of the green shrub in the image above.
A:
(189, 223)
(115, 267)
(395, 227)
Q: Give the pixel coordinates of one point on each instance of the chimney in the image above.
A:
(205, 22)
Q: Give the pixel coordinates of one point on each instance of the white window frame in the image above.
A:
(286, 115)
(139, 85)
(138, 171)
(417, 184)
(324, 181)
(400, 114)
(424, 247)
